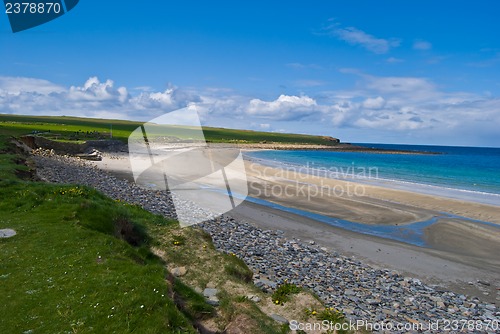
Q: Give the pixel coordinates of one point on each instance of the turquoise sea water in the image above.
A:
(469, 173)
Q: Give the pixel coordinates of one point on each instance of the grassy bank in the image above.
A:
(69, 270)
(74, 128)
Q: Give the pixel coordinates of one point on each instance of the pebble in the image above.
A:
(279, 318)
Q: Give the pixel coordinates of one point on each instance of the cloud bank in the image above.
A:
(403, 106)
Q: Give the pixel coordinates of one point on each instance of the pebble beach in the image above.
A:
(361, 291)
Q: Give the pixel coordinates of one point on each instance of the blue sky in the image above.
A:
(363, 71)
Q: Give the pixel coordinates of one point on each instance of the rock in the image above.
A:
(179, 271)
(253, 298)
(279, 318)
(373, 301)
(214, 301)
(7, 233)
(211, 295)
(483, 283)
(208, 292)
(349, 292)
(490, 307)
(260, 283)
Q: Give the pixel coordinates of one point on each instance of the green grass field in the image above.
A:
(76, 129)
(66, 271)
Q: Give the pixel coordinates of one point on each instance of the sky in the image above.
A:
(413, 72)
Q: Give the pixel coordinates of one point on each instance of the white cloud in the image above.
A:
(422, 45)
(94, 90)
(374, 103)
(284, 107)
(402, 87)
(92, 99)
(397, 105)
(18, 85)
(355, 36)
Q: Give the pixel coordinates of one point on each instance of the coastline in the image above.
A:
(366, 277)
(452, 257)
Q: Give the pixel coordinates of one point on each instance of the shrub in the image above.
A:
(283, 292)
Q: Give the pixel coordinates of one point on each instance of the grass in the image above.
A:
(67, 271)
(66, 127)
(220, 135)
(236, 268)
(80, 129)
(283, 292)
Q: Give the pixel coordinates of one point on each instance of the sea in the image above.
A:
(466, 173)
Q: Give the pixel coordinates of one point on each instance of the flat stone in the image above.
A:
(253, 298)
(279, 318)
(349, 292)
(7, 233)
(208, 292)
(373, 301)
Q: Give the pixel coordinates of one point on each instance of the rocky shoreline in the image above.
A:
(357, 289)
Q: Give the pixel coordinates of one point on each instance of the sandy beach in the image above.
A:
(458, 252)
